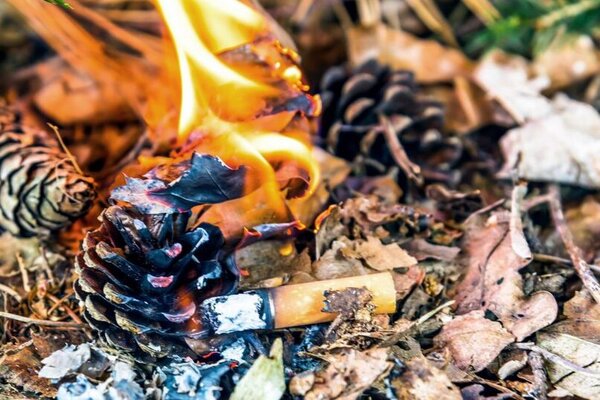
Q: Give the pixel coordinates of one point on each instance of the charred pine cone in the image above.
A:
(360, 104)
(143, 276)
(40, 189)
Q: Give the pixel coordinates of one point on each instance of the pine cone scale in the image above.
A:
(143, 276)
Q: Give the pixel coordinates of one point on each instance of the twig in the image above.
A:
(65, 148)
(556, 359)
(41, 322)
(412, 170)
(11, 292)
(540, 386)
(484, 9)
(24, 274)
(560, 260)
(581, 267)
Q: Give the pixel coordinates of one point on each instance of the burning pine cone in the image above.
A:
(40, 189)
(142, 277)
(373, 116)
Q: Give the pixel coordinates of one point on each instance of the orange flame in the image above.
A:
(242, 95)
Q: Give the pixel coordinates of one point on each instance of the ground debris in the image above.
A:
(419, 379)
(347, 375)
(492, 281)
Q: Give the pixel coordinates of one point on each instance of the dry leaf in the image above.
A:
(576, 339)
(473, 341)
(348, 374)
(506, 78)
(567, 62)
(561, 145)
(359, 257)
(382, 257)
(492, 281)
(17, 367)
(265, 378)
(269, 259)
(423, 381)
(428, 59)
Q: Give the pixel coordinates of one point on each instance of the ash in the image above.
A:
(235, 313)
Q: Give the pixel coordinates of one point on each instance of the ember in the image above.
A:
(269, 199)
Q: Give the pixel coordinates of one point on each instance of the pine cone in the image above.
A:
(40, 189)
(354, 104)
(143, 276)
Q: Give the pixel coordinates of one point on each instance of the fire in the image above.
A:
(242, 95)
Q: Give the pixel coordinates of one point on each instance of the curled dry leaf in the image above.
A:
(575, 340)
(473, 341)
(492, 281)
(349, 373)
(423, 381)
(179, 187)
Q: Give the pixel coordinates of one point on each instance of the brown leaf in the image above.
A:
(269, 259)
(382, 257)
(567, 62)
(575, 340)
(473, 341)
(492, 280)
(423, 381)
(19, 368)
(349, 373)
(430, 61)
(359, 257)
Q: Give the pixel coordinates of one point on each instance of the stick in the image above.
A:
(412, 170)
(24, 274)
(11, 292)
(41, 322)
(540, 387)
(581, 267)
(559, 260)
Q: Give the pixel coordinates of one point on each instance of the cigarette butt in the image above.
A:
(301, 304)
(291, 305)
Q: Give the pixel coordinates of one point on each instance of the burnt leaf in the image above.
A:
(179, 187)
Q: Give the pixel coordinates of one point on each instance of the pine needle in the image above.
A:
(66, 149)
(61, 3)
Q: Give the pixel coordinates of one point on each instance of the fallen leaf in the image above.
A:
(16, 369)
(382, 257)
(492, 281)
(421, 380)
(265, 378)
(269, 259)
(360, 257)
(567, 62)
(349, 373)
(507, 79)
(473, 341)
(428, 59)
(577, 340)
(585, 382)
(560, 145)
(178, 187)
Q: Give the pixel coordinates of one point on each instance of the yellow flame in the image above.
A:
(222, 100)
